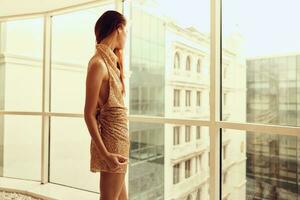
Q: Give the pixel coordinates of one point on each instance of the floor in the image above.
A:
(52, 191)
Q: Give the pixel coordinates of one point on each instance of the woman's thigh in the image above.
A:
(111, 185)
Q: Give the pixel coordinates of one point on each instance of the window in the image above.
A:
(224, 177)
(176, 61)
(199, 66)
(225, 72)
(188, 63)
(198, 132)
(176, 101)
(187, 168)
(29, 54)
(198, 100)
(200, 161)
(198, 197)
(189, 197)
(225, 99)
(242, 147)
(196, 163)
(187, 133)
(208, 158)
(176, 173)
(176, 135)
(224, 151)
(188, 98)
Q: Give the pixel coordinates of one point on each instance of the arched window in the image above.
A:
(176, 61)
(199, 66)
(188, 63)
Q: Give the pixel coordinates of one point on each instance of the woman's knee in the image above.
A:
(110, 186)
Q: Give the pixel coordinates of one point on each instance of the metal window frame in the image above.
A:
(214, 123)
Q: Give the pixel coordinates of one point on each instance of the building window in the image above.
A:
(196, 162)
(176, 173)
(198, 197)
(144, 99)
(176, 61)
(199, 66)
(187, 168)
(225, 72)
(224, 151)
(188, 98)
(198, 100)
(176, 135)
(200, 161)
(224, 177)
(242, 147)
(176, 101)
(198, 132)
(189, 197)
(188, 63)
(187, 133)
(225, 99)
(208, 158)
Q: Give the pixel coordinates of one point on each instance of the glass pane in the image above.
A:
(165, 50)
(260, 69)
(21, 65)
(20, 153)
(162, 37)
(70, 154)
(259, 165)
(233, 155)
(73, 43)
(163, 165)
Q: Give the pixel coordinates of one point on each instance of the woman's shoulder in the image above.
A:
(98, 63)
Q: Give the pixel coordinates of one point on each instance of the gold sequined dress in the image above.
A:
(111, 117)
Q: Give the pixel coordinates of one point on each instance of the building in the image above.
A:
(273, 98)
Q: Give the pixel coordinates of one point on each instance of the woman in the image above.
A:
(104, 113)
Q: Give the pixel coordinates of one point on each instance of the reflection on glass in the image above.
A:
(163, 161)
(260, 69)
(146, 174)
(21, 63)
(262, 166)
(233, 161)
(272, 166)
(73, 44)
(20, 153)
(70, 155)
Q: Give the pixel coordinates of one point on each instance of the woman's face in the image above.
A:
(121, 37)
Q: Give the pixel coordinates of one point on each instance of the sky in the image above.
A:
(267, 26)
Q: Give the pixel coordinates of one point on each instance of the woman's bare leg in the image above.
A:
(123, 193)
(111, 185)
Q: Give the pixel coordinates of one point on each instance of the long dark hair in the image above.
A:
(107, 23)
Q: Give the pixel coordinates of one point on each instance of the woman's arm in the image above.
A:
(95, 76)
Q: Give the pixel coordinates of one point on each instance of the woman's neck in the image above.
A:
(108, 44)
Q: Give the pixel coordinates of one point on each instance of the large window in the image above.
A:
(21, 67)
(254, 91)
(260, 80)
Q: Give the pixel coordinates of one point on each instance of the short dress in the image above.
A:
(111, 118)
